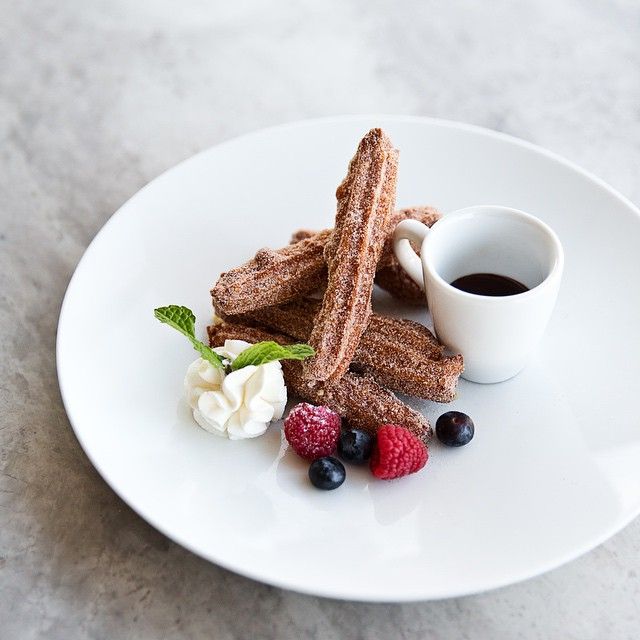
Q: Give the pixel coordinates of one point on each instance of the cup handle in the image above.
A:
(406, 231)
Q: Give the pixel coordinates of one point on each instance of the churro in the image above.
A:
(390, 275)
(365, 201)
(399, 354)
(358, 399)
(397, 283)
(275, 276)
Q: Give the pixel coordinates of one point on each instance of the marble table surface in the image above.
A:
(97, 98)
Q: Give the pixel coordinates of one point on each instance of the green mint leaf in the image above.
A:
(180, 318)
(183, 320)
(263, 352)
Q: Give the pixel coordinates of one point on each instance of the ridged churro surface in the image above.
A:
(358, 399)
(399, 354)
(366, 198)
(390, 276)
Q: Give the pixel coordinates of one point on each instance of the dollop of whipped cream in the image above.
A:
(240, 404)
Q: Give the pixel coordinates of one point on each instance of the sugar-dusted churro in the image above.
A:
(427, 215)
(273, 277)
(390, 275)
(397, 283)
(276, 276)
(359, 399)
(365, 202)
(399, 354)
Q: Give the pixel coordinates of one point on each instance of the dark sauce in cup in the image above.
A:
(489, 284)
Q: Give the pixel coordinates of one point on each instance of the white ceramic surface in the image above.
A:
(496, 335)
(554, 468)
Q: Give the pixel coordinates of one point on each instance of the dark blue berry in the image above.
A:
(355, 445)
(327, 473)
(454, 428)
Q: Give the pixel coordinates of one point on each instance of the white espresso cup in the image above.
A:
(495, 334)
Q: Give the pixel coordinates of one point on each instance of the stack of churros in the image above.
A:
(361, 358)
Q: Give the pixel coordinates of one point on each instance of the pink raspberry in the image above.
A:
(313, 432)
(397, 453)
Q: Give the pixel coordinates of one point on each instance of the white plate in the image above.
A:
(554, 468)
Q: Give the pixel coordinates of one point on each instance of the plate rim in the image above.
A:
(261, 576)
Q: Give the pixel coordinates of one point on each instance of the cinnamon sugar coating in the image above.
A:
(399, 354)
(273, 277)
(359, 399)
(397, 283)
(425, 214)
(366, 198)
(390, 275)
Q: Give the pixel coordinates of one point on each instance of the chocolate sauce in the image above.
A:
(489, 284)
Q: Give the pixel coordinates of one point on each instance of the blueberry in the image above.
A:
(326, 473)
(454, 428)
(355, 445)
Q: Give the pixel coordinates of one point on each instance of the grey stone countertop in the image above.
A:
(96, 99)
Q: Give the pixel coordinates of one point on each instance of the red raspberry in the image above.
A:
(313, 432)
(397, 453)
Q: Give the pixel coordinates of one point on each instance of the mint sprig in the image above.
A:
(268, 351)
(183, 320)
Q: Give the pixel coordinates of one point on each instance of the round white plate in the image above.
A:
(554, 468)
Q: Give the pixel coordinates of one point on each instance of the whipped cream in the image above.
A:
(240, 404)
